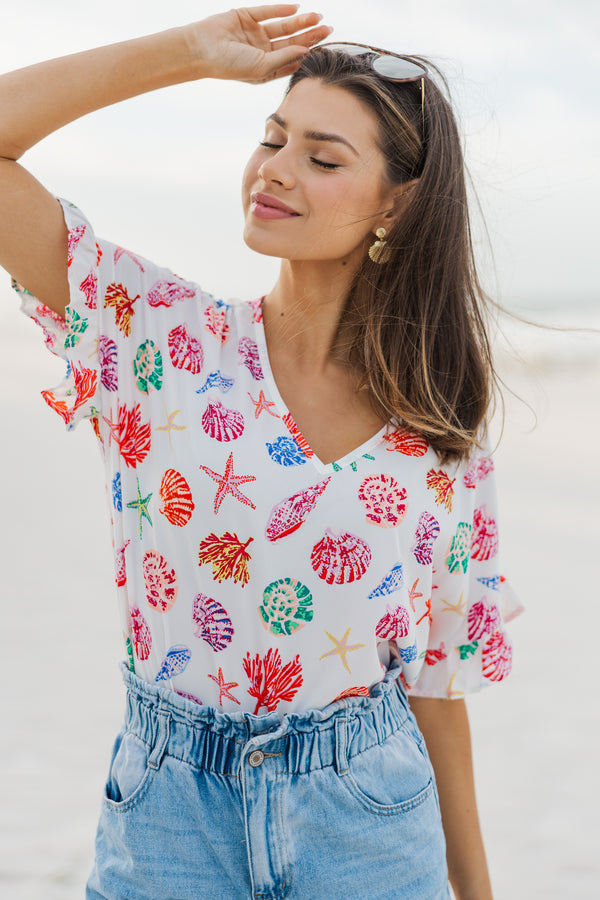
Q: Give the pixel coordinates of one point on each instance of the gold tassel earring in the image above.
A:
(379, 252)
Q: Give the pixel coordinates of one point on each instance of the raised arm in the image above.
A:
(244, 44)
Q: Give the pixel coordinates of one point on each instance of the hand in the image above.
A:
(237, 45)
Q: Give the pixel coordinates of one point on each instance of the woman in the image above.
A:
(303, 519)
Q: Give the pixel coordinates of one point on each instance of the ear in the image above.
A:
(399, 199)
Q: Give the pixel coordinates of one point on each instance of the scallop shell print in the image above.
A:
(248, 350)
(459, 549)
(221, 423)
(286, 606)
(142, 637)
(394, 624)
(160, 581)
(478, 470)
(107, 357)
(484, 618)
(393, 581)
(496, 657)
(148, 367)
(340, 558)
(426, 532)
(185, 350)
(176, 503)
(406, 442)
(287, 516)
(174, 662)
(212, 622)
(485, 535)
(384, 499)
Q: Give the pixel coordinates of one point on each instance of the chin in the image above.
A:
(262, 243)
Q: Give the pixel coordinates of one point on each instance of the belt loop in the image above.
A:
(341, 744)
(162, 736)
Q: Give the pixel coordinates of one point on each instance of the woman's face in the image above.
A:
(315, 188)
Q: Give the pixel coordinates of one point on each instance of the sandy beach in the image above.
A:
(536, 738)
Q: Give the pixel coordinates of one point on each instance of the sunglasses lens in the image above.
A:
(398, 69)
(350, 49)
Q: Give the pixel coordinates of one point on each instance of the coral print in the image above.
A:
(218, 381)
(107, 358)
(215, 323)
(485, 535)
(340, 558)
(221, 423)
(286, 452)
(477, 471)
(272, 681)
(174, 662)
(176, 503)
(393, 581)
(148, 367)
(287, 516)
(142, 637)
(228, 556)
(212, 622)
(286, 606)
(166, 293)
(160, 581)
(496, 657)
(459, 551)
(442, 487)
(131, 434)
(428, 528)
(75, 235)
(85, 387)
(89, 287)
(394, 624)
(117, 299)
(385, 501)
(406, 442)
(185, 350)
(248, 351)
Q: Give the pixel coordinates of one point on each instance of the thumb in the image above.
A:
(276, 60)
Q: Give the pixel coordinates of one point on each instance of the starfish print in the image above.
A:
(427, 613)
(95, 350)
(450, 692)
(229, 484)
(171, 426)
(458, 607)
(342, 648)
(141, 504)
(262, 404)
(224, 687)
(114, 429)
(413, 595)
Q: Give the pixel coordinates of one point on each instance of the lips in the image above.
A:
(264, 206)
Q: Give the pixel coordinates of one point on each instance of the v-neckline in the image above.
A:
(335, 465)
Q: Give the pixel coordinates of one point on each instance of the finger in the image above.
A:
(306, 39)
(280, 59)
(291, 25)
(273, 11)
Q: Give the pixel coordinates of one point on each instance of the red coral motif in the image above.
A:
(75, 235)
(442, 486)
(119, 300)
(131, 434)
(89, 287)
(228, 556)
(58, 406)
(271, 681)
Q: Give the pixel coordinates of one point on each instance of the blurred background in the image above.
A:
(160, 175)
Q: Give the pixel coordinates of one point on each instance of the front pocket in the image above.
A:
(129, 776)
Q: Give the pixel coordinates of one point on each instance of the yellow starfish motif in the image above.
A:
(171, 426)
(342, 648)
(450, 692)
(458, 607)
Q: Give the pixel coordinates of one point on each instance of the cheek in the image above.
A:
(250, 177)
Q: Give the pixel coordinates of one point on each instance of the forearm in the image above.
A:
(39, 99)
(445, 727)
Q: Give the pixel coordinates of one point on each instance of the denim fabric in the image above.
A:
(336, 803)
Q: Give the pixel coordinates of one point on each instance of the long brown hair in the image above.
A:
(417, 323)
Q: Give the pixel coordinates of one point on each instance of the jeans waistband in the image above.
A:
(207, 738)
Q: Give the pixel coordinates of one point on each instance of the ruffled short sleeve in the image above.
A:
(471, 601)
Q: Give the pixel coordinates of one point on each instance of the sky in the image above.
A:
(160, 174)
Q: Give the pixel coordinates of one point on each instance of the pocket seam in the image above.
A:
(382, 809)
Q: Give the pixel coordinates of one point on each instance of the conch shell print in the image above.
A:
(340, 558)
(160, 581)
(142, 638)
(174, 662)
(212, 622)
(383, 498)
(289, 515)
(176, 503)
(221, 423)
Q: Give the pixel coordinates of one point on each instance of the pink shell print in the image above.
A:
(216, 324)
(485, 535)
(75, 235)
(484, 618)
(176, 503)
(426, 532)
(248, 351)
(340, 558)
(185, 350)
(120, 569)
(406, 442)
(107, 357)
(213, 624)
(394, 624)
(165, 293)
(496, 656)
(142, 637)
(160, 580)
(478, 470)
(221, 423)
(384, 499)
(256, 307)
(289, 515)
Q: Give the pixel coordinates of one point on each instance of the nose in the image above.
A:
(277, 169)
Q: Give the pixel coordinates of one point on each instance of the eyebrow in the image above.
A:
(315, 135)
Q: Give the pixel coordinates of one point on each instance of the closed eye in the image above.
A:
(317, 162)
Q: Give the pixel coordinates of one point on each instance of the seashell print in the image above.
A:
(142, 637)
(129, 651)
(340, 558)
(76, 326)
(216, 380)
(216, 324)
(107, 357)
(166, 293)
(120, 568)
(256, 307)
(119, 252)
(287, 516)
(213, 624)
(117, 496)
(185, 350)
(174, 662)
(75, 235)
(191, 697)
(478, 470)
(394, 624)
(485, 535)
(298, 436)
(160, 581)
(221, 423)
(408, 654)
(248, 350)
(148, 367)
(496, 657)
(428, 528)
(384, 499)
(285, 451)
(459, 550)
(286, 606)
(406, 442)
(176, 503)
(484, 618)
(393, 581)
(435, 655)
(89, 287)
(360, 691)
(492, 582)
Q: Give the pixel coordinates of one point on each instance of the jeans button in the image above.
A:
(256, 758)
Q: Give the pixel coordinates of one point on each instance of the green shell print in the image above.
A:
(286, 606)
(76, 325)
(460, 548)
(148, 367)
